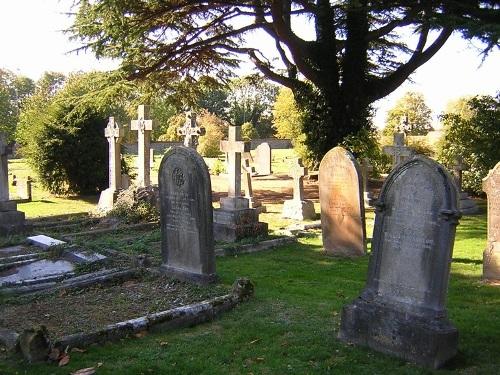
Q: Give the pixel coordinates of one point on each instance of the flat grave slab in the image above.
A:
(39, 269)
(44, 241)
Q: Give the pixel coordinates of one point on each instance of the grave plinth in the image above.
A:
(402, 309)
(491, 255)
(234, 219)
(298, 208)
(11, 220)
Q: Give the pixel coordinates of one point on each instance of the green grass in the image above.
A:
(290, 326)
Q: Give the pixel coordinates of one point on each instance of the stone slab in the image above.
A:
(234, 203)
(34, 270)
(83, 256)
(12, 222)
(298, 210)
(8, 206)
(44, 241)
(232, 233)
(238, 217)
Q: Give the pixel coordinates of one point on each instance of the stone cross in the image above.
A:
(191, 131)
(247, 178)
(398, 150)
(234, 147)
(458, 168)
(298, 171)
(143, 125)
(4, 175)
(403, 124)
(114, 133)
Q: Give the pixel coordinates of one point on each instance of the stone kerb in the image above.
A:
(342, 205)
(186, 216)
(491, 255)
(402, 308)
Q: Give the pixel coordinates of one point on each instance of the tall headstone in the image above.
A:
(298, 208)
(398, 150)
(191, 131)
(263, 158)
(24, 190)
(234, 219)
(113, 133)
(342, 206)
(466, 205)
(11, 220)
(366, 169)
(402, 309)
(491, 255)
(187, 239)
(143, 125)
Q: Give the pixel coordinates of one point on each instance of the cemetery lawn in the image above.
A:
(290, 325)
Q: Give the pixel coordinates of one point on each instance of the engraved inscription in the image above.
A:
(179, 216)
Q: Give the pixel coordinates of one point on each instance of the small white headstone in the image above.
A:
(44, 242)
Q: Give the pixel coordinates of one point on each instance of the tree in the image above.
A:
(61, 133)
(474, 138)
(359, 53)
(412, 104)
(215, 128)
(287, 118)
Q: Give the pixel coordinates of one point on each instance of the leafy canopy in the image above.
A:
(412, 106)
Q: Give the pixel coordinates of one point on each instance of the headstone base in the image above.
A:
(298, 210)
(368, 199)
(425, 341)
(11, 220)
(184, 275)
(230, 226)
(491, 262)
(107, 199)
(466, 205)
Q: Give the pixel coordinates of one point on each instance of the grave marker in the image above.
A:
(342, 207)
(398, 150)
(366, 169)
(143, 125)
(263, 159)
(491, 255)
(186, 216)
(298, 208)
(191, 131)
(467, 206)
(402, 309)
(247, 186)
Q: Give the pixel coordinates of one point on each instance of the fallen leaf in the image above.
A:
(85, 371)
(163, 343)
(259, 359)
(78, 350)
(254, 341)
(64, 360)
(99, 364)
(141, 334)
(54, 354)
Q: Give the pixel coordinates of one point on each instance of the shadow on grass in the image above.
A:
(467, 261)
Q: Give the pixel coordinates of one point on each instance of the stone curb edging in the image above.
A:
(253, 248)
(108, 230)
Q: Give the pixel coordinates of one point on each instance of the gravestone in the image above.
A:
(398, 150)
(342, 206)
(402, 309)
(298, 208)
(191, 131)
(491, 255)
(143, 125)
(24, 189)
(113, 133)
(467, 206)
(247, 186)
(366, 169)
(234, 219)
(11, 220)
(187, 237)
(263, 159)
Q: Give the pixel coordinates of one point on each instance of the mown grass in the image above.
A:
(290, 325)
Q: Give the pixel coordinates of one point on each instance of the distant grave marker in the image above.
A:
(263, 158)
(191, 131)
(467, 206)
(402, 309)
(298, 208)
(143, 125)
(186, 216)
(491, 255)
(398, 150)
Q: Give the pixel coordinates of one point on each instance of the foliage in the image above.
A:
(14, 90)
(474, 139)
(360, 51)
(412, 104)
(218, 167)
(215, 128)
(174, 123)
(287, 118)
(61, 133)
(421, 147)
(248, 132)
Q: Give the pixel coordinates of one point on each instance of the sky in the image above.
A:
(31, 42)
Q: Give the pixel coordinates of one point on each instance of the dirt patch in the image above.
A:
(86, 310)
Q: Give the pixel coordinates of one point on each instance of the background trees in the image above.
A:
(411, 104)
(359, 51)
(473, 135)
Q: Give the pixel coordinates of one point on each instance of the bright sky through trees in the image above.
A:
(32, 42)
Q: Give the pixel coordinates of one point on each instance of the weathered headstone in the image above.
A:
(186, 216)
(191, 131)
(113, 133)
(398, 150)
(11, 220)
(491, 255)
(234, 219)
(247, 186)
(263, 159)
(143, 125)
(342, 206)
(366, 169)
(402, 309)
(466, 205)
(24, 189)
(298, 208)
